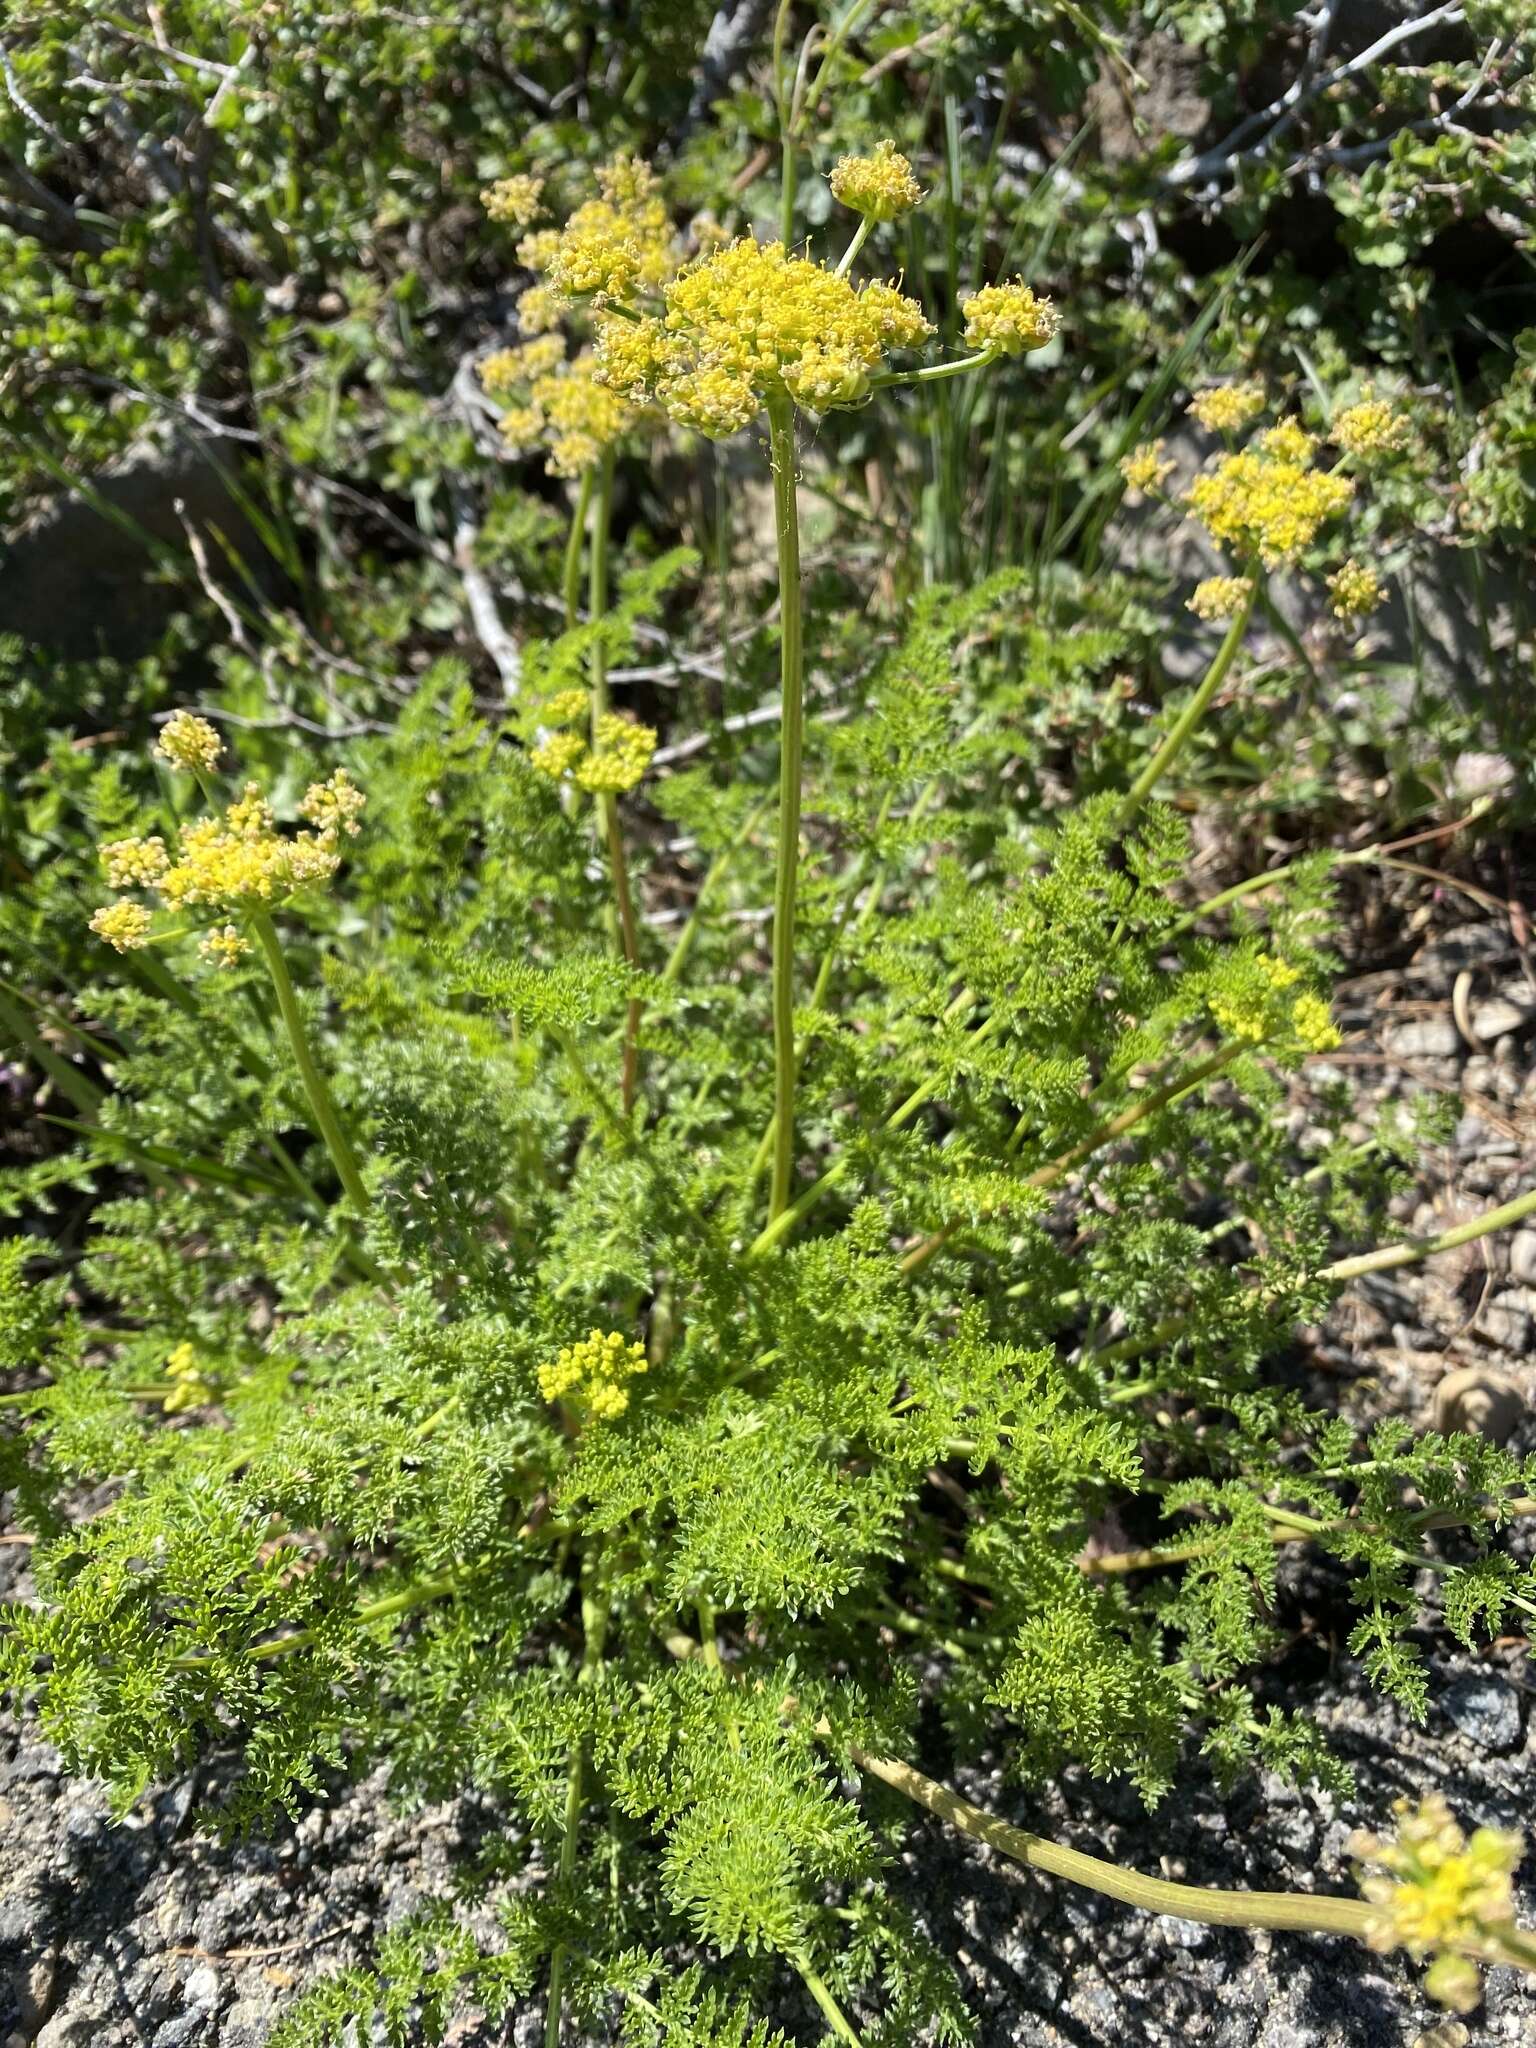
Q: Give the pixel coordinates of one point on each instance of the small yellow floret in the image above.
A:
(224, 945)
(565, 707)
(187, 741)
(1220, 597)
(124, 926)
(1259, 504)
(1370, 427)
(188, 1388)
(880, 186)
(250, 815)
(539, 309)
(134, 863)
(515, 200)
(1008, 318)
(333, 806)
(1146, 467)
(1289, 442)
(1225, 407)
(593, 1371)
(1246, 1009)
(1440, 1894)
(1355, 589)
(748, 321)
(1313, 1025)
(611, 246)
(558, 755)
(621, 755)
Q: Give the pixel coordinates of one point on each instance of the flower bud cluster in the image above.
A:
(880, 186)
(750, 319)
(1438, 1893)
(593, 1373)
(616, 761)
(1254, 1003)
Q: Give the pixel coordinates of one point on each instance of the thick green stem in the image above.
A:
(607, 802)
(860, 237)
(571, 582)
(781, 430)
(1190, 717)
(323, 1108)
(1301, 1911)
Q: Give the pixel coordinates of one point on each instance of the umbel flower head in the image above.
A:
(1252, 1002)
(558, 405)
(1146, 468)
(1270, 501)
(1371, 426)
(1008, 319)
(1355, 589)
(1220, 597)
(1438, 1893)
(235, 863)
(593, 1373)
(612, 246)
(880, 186)
(749, 319)
(616, 761)
(516, 201)
(1223, 408)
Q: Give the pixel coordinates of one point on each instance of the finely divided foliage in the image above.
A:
(638, 1370)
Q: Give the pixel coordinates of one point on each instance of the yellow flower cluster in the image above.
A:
(1146, 467)
(565, 410)
(243, 861)
(1355, 589)
(880, 186)
(236, 862)
(1269, 505)
(1259, 1007)
(188, 1388)
(224, 945)
(1438, 1893)
(613, 245)
(134, 863)
(503, 372)
(1313, 1024)
(594, 1371)
(1289, 442)
(515, 201)
(1226, 407)
(565, 707)
(616, 762)
(1008, 319)
(334, 805)
(187, 741)
(1249, 1012)
(1220, 597)
(751, 318)
(1370, 427)
(124, 926)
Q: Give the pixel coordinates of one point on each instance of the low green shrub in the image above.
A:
(641, 1368)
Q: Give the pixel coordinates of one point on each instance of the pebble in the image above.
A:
(204, 1988)
(1507, 1321)
(1423, 1038)
(1497, 1017)
(1522, 1257)
(1480, 1401)
(1486, 1710)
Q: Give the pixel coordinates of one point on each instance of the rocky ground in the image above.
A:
(143, 1932)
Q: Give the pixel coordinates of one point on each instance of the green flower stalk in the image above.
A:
(781, 427)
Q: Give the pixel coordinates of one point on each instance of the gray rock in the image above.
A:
(1423, 1038)
(1486, 1710)
(204, 1988)
(1507, 1320)
(1479, 1401)
(1522, 1257)
(1497, 1017)
(82, 2028)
